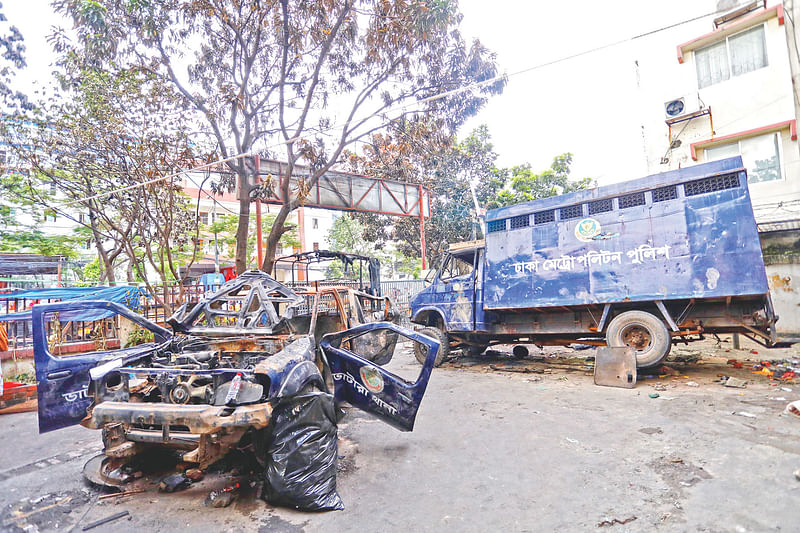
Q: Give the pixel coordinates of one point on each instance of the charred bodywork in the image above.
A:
(211, 380)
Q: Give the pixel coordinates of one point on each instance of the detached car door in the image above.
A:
(366, 384)
(63, 377)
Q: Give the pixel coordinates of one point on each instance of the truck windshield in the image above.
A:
(456, 266)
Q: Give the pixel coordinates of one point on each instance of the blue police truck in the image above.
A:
(645, 263)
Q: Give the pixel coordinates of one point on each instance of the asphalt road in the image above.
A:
(492, 449)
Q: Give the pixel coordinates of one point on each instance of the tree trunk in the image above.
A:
(274, 237)
(108, 268)
(244, 224)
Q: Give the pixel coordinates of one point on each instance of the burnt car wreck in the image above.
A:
(227, 368)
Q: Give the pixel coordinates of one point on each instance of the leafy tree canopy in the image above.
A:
(296, 81)
(525, 185)
(418, 152)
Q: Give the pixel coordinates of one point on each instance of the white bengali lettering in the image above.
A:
(76, 395)
(343, 376)
(567, 263)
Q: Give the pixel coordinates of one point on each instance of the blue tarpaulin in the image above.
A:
(127, 296)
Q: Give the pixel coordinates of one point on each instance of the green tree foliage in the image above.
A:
(225, 229)
(525, 185)
(297, 81)
(18, 236)
(347, 235)
(12, 58)
(102, 147)
(421, 153)
(35, 242)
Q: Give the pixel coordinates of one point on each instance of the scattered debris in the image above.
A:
(793, 408)
(520, 369)
(668, 371)
(786, 389)
(605, 523)
(195, 474)
(106, 520)
(654, 395)
(650, 431)
(119, 494)
(688, 356)
(174, 483)
(797, 474)
(572, 441)
(735, 382)
(223, 497)
(744, 413)
(692, 384)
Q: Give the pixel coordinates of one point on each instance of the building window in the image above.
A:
(760, 155)
(203, 218)
(315, 223)
(736, 55)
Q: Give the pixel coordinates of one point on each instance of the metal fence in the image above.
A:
(401, 292)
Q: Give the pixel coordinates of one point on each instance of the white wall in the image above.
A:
(741, 103)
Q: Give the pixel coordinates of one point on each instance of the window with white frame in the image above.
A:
(738, 54)
(760, 155)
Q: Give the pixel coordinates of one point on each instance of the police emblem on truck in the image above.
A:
(587, 229)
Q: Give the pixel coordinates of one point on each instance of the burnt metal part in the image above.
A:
(305, 259)
(247, 303)
(106, 520)
(173, 394)
(363, 385)
(105, 472)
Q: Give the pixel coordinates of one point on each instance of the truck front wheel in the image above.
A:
(444, 345)
(642, 331)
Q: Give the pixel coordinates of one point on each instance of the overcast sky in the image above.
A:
(588, 105)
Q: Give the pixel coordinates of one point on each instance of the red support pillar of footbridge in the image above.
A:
(422, 226)
(259, 236)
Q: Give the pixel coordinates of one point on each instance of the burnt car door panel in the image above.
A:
(63, 381)
(368, 386)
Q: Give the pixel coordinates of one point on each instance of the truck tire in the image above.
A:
(642, 331)
(444, 345)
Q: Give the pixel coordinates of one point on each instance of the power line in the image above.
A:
(409, 105)
(156, 180)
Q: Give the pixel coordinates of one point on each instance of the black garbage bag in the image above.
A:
(301, 456)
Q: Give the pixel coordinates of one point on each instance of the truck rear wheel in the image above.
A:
(444, 346)
(642, 331)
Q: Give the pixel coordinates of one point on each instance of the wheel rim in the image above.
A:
(637, 336)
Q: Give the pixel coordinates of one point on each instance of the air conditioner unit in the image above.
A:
(685, 105)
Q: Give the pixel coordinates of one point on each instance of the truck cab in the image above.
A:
(454, 297)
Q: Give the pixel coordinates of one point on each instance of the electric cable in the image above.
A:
(406, 106)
